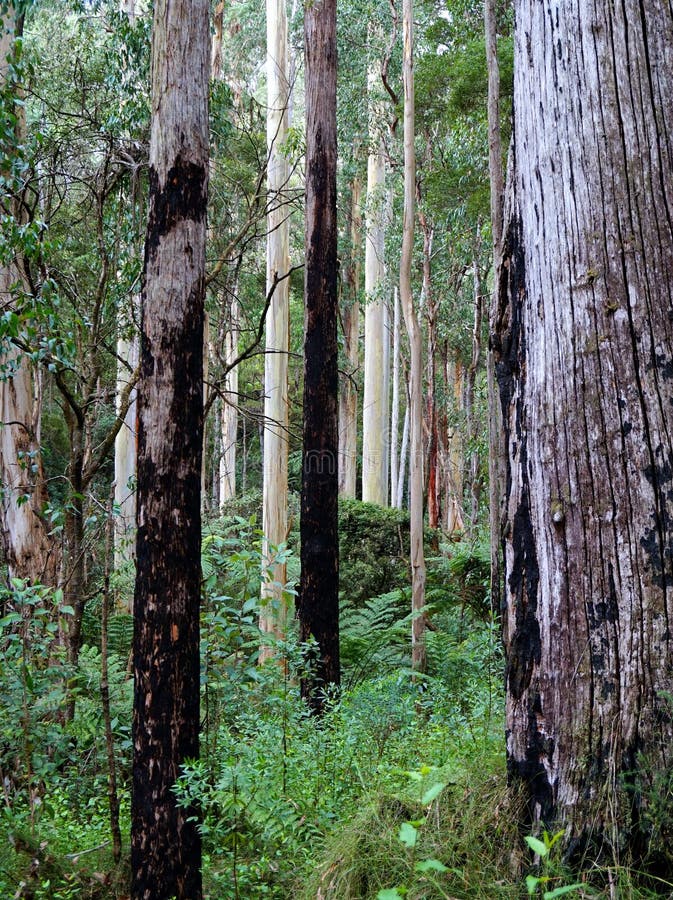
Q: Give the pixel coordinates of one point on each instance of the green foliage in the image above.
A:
(34, 678)
(373, 550)
(461, 576)
(374, 638)
(54, 770)
(540, 883)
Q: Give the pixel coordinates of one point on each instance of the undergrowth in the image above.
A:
(398, 791)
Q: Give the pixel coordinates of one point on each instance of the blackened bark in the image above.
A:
(583, 350)
(165, 845)
(318, 602)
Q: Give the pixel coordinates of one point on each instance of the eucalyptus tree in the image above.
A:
(165, 839)
(417, 554)
(349, 309)
(375, 394)
(273, 616)
(30, 550)
(583, 348)
(497, 187)
(318, 600)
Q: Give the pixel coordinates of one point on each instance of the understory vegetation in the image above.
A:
(399, 791)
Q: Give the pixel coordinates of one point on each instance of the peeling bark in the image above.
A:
(165, 841)
(584, 355)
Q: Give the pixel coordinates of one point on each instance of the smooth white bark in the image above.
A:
(125, 455)
(375, 398)
(229, 409)
(276, 417)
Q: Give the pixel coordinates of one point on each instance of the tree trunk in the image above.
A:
(432, 308)
(584, 351)
(395, 403)
(455, 463)
(348, 395)
(404, 454)
(496, 450)
(165, 841)
(30, 551)
(375, 400)
(318, 602)
(416, 350)
(470, 412)
(128, 351)
(273, 615)
(229, 411)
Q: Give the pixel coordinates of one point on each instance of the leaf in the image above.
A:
(561, 891)
(408, 834)
(9, 619)
(432, 793)
(536, 845)
(531, 884)
(390, 894)
(430, 865)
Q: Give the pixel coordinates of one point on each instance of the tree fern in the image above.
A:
(375, 637)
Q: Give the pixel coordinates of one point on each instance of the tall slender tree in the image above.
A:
(418, 655)
(496, 179)
(165, 840)
(375, 394)
(273, 616)
(318, 601)
(350, 319)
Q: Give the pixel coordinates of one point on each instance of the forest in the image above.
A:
(336, 382)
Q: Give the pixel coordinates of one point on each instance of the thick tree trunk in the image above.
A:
(165, 841)
(375, 399)
(318, 601)
(273, 616)
(30, 551)
(584, 362)
(348, 395)
(416, 350)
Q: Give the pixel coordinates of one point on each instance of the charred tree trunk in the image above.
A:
(318, 602)
(584, 358)
(165, 841)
